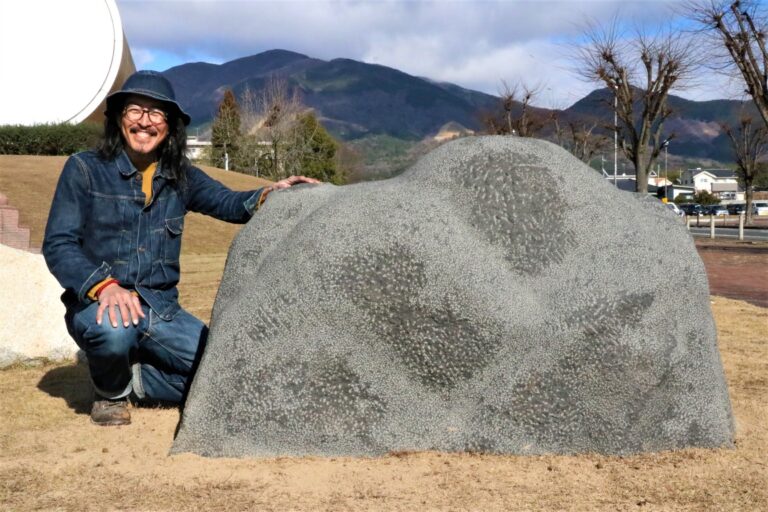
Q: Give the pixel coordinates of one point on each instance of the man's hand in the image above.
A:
(287, 183)
(293, 180)
(115, 296)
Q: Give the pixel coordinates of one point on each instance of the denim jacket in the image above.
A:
(99, 227)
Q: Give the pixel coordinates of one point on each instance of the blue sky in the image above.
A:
(472, 43)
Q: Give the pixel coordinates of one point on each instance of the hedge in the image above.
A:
(49, 139)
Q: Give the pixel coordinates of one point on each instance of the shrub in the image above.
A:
(705, 198)
(49, 139)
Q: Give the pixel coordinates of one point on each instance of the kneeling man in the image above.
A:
(113, 240)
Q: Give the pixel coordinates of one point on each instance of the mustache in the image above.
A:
(136, 129)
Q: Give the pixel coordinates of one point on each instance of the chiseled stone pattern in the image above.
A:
(499, 296)
(31, 312)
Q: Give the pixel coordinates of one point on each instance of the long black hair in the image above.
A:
(172, 151)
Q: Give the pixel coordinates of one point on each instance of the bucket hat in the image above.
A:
(152, 85)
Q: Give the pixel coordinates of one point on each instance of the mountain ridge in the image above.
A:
(356, 100)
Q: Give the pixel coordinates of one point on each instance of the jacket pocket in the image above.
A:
(173, 229)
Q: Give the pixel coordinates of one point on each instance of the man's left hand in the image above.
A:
(293, 180)
(286, 183)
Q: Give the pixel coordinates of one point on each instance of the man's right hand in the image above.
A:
(115, 297)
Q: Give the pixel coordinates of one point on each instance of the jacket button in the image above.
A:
(138, 177)
(142, 249)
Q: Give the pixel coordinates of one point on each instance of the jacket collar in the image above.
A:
(126, 167)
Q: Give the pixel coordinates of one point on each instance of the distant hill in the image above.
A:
(372, 105)
(353, 99)
(695, 124)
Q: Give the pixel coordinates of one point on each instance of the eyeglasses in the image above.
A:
(133, 113)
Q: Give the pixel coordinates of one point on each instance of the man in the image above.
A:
(113, 240)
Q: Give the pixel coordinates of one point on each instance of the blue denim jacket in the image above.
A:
(99, 227)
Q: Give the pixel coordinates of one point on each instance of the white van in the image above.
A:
(760, 207)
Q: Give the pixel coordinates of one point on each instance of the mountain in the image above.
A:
(696, 125)
(353, 99)
(362, 102)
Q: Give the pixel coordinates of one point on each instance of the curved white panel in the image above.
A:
(58, 59)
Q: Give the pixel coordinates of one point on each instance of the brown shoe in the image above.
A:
(110, 413)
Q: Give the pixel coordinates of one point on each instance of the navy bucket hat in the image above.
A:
(152, 85)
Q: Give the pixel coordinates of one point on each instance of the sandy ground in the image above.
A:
(52, 458)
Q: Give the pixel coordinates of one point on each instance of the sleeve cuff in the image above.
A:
(92, 293)
(253, 203)
(97, 277)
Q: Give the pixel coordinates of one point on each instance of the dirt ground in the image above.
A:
(52, 458)
(736, 270)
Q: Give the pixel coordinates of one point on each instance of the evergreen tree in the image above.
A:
(225, 132)
(314, 151)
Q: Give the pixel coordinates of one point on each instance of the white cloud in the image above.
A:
(143, 58)
(474, 44)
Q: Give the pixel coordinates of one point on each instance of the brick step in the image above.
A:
(17, 238)
(9, 218)
(10, 233)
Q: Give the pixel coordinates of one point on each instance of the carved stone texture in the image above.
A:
(499, 296)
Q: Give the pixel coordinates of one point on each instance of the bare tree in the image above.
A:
(270, 117)
(514, 115)
(640, 72)
(749, 145)
(740, 29)
(580, 138)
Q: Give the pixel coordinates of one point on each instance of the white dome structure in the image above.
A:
(60, 60)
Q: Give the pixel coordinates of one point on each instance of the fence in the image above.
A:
(723, 220)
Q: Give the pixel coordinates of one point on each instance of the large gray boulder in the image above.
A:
(499, 297)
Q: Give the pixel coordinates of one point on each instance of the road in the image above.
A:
(755, 235)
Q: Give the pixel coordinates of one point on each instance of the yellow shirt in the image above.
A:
(146, 181)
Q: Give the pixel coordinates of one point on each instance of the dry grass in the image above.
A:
(52, 458)
(29, 183)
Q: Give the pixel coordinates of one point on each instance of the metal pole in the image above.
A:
(712, 226)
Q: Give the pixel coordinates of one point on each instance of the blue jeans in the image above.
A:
(154, 359)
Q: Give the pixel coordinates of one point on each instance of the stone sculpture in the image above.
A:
(499, 296)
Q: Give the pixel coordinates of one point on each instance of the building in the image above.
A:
(723, 183)
(196, 148)
(628, 182)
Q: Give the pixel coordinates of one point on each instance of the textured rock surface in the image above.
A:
(499, 296)
(31, 313)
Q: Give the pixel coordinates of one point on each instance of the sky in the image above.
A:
(477, 44)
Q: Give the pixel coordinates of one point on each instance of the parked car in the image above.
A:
(675, 209)
(691, 208)
(760, 207)
(715, 209)
(736, 208)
